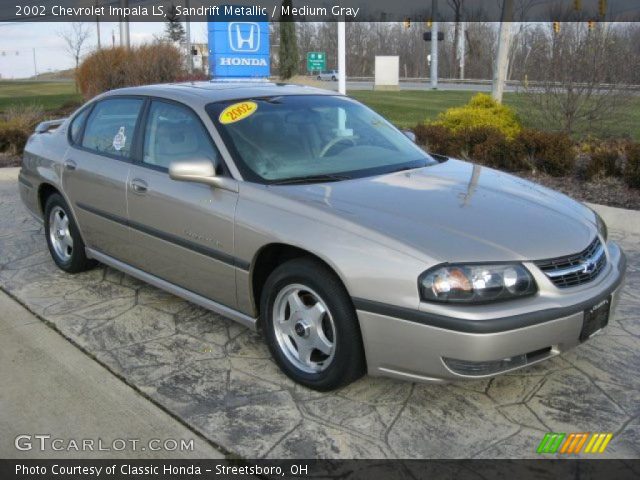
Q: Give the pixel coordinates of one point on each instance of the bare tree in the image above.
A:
(456, 6)
(582, 74)
(502, 54)
(75, 38)
(481, 40)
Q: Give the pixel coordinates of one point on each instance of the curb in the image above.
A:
(627, 221)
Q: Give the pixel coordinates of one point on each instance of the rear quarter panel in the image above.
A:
(42, 164)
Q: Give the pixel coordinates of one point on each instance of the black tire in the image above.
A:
(319, 78)
(78, 261)
(334, 79)
(348, 362)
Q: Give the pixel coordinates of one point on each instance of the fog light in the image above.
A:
(491, 367)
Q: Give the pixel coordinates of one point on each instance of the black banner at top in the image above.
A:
(321, 10)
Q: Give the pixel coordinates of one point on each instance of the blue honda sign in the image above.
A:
(239, 47)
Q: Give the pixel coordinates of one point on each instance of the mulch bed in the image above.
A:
(605, 190)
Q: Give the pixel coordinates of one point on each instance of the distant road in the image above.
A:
(420, 85)
(366, 83)
(445, 85)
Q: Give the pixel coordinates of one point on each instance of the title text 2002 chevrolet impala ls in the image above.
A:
(305, 214)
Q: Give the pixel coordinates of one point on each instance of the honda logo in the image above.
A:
(244, 37)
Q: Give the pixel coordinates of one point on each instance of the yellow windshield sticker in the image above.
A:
(238, 111)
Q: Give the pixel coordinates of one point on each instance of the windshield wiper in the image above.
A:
(405, 168)
(402, 169)
(311, 179)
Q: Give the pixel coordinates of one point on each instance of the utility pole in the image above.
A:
(462, 48)
(124, 34)
(124, 27)
(504, 45)
(342, 58)
(35, 66)
(434, 45)
(189, 54)
(188, 35)
(98, 27)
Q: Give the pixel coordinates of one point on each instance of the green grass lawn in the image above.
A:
(404, 108)
(50, 95)
(409, 107)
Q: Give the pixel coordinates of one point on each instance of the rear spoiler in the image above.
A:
(44, 127)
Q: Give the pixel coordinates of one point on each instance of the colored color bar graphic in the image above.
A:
(572, 443)
(550, 442)
(598, 443)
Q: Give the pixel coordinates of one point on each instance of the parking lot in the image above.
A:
(217, 377)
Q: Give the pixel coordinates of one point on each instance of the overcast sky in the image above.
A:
(17, 41)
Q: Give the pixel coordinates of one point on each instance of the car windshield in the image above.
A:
(313, 138)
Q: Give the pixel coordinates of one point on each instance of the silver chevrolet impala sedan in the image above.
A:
(307, 216)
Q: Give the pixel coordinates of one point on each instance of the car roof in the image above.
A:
(202, 93)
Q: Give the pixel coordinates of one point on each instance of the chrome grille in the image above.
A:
(578, 269)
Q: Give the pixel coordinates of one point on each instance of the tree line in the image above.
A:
(534, 49)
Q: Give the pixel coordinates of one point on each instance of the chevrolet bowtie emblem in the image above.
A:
(588, 267)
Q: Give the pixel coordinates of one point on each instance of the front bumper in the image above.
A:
(413, 345)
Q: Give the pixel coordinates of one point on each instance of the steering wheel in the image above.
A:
(335, 141)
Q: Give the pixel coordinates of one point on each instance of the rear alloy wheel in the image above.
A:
(59, 234)
(311, 326)
(64, 241)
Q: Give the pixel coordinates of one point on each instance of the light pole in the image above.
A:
(342, 58)
(434, 45)
(462, 48)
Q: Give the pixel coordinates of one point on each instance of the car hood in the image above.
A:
(458, 212)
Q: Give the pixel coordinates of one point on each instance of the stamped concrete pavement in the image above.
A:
(218, 378)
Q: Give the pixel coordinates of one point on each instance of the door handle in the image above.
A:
(70, 165)
(139, 186)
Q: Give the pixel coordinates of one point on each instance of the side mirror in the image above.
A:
(410, 135)
(200, 171)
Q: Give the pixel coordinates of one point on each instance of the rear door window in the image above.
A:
(111, 125)
(76, 126)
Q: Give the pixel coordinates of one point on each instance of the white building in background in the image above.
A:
(200, 55)
(387, 72)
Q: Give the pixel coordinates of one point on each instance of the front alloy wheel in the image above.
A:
(304, 328)
(311, 326)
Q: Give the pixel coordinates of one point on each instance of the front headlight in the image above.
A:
(476, 283)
